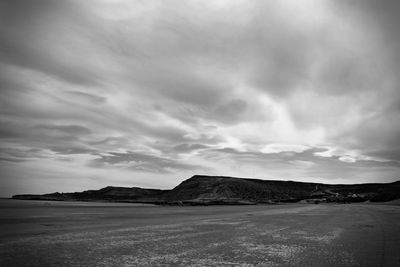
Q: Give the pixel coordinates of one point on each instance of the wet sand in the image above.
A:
(109, 234)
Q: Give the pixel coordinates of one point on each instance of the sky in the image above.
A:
(148, 93)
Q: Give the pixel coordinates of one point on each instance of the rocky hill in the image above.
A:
(212, 189)
(228, 189)
(208, 190)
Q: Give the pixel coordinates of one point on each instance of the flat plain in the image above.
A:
(40, 233)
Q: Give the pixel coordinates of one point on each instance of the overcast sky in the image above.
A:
(148, 93)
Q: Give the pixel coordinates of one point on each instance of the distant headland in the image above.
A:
(221, 190)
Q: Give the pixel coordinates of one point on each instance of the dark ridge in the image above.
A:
(109, 193)
(209, 190)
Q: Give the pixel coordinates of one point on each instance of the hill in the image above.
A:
(109, 193)
(212, 189)
(208, 190)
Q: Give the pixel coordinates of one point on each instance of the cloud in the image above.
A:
(347, 159)
(20, 154)
(87, 97)
(231, 111)
(67, 129)
(274, 89)
(142, 162)
(72, 150)
(189, 147)
(303, 163)
(277, 148)
(28, 40)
